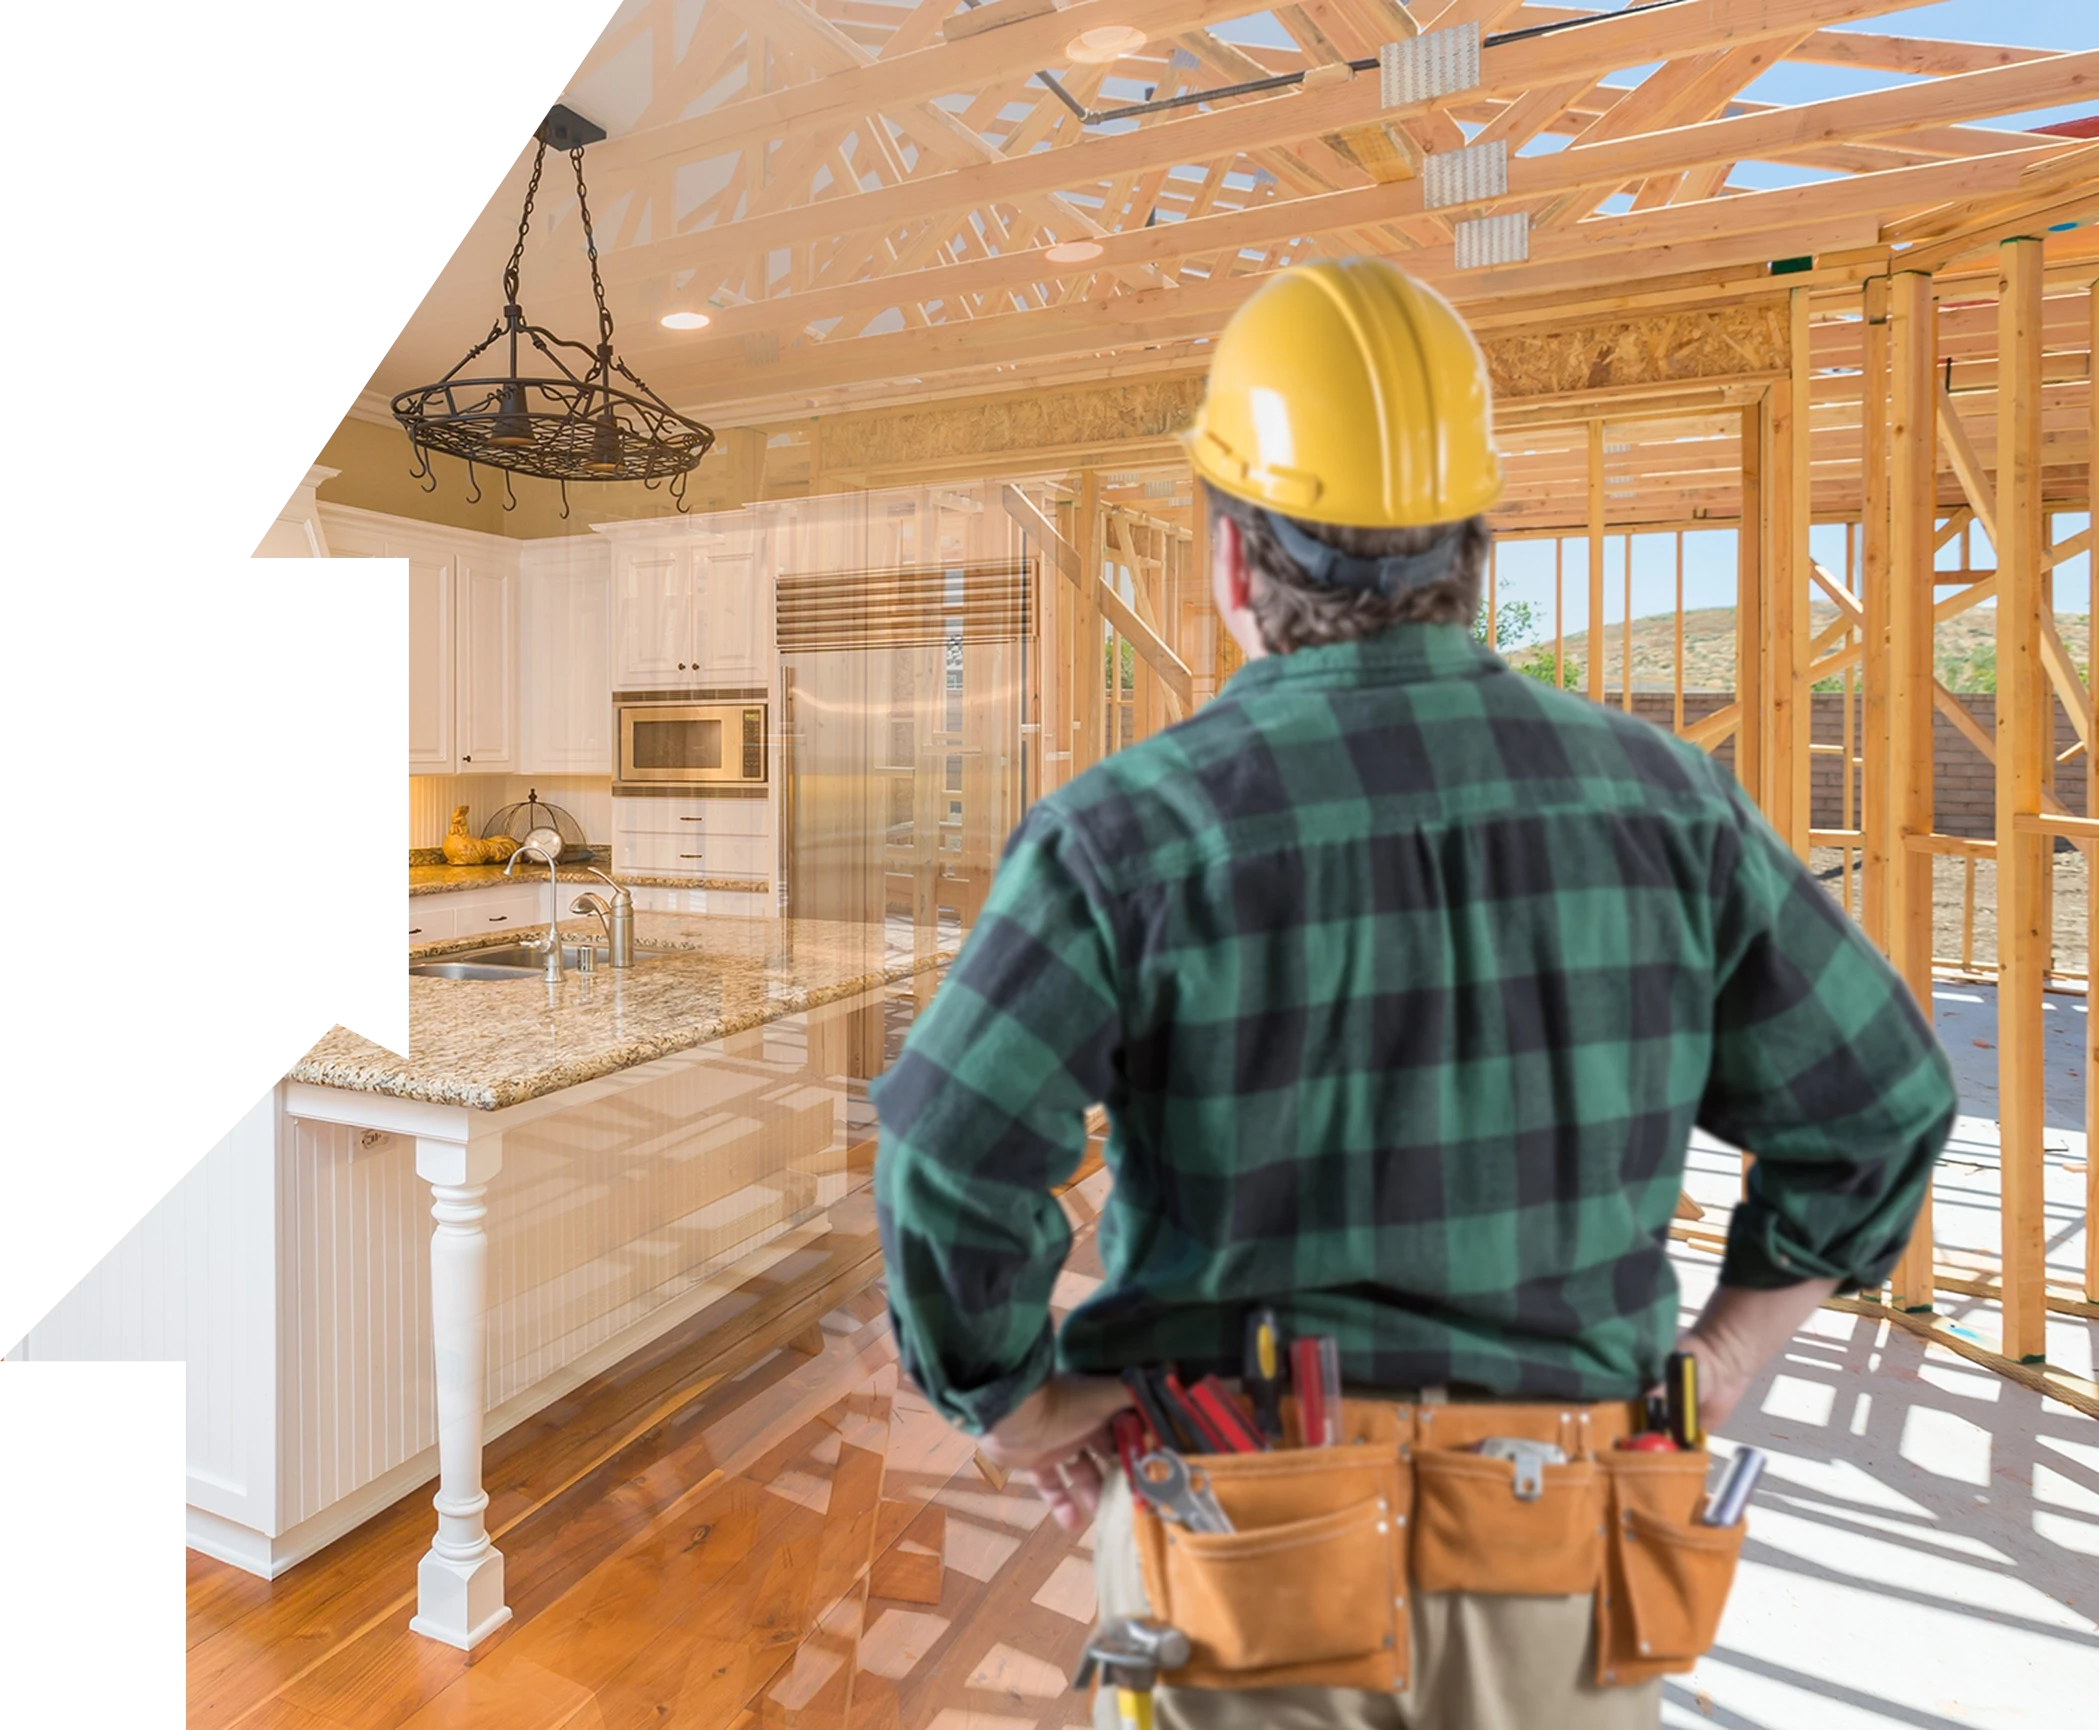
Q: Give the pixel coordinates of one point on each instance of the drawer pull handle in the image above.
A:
(499, 919)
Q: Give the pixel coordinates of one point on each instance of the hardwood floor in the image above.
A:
(697, 1539)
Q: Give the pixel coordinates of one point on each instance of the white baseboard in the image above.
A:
(258, 1553)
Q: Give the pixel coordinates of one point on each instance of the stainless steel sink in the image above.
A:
(515, 961)
(469, 970)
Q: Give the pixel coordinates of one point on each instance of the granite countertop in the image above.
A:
(439, 879)
(487, 1043)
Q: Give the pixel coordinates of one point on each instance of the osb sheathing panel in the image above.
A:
(1660, 349)
(1075, 418)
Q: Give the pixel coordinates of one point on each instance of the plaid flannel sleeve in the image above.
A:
(982, 1116)
(1824, 1068)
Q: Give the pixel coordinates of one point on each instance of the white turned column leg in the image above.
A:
(459, 1583)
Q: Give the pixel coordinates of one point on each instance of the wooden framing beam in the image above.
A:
(1793, 570)
(1749, 606)
(1738, 230)
(1172, 671)
(940, 69)
(1606, 248)
(2073, 1391)
(1088, 696)
(1917, 56)
(2023, 707)
(1912, 524)
(1119, 529)
(1684, 294)
(1773, 133)
(1967, 465)
(1596, 631)
(1876, 813)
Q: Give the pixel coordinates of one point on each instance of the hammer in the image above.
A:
(1130, 1653)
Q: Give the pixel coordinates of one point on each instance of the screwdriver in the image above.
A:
(1315, 1370)
(1262, 1374)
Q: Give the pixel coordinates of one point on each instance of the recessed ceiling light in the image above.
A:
(1073, 252)
(1103, 43)
(686, 321)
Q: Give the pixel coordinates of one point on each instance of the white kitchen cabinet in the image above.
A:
(430, 919)
(462, 637)
(565, 687)
(653, 605)
(692, 855)
(692, 816)
(486, 705)
(697, 837)
(520, 906)
(432, 665)
(732, 604)
(692, 608)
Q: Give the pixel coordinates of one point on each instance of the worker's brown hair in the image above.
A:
(1293, 612)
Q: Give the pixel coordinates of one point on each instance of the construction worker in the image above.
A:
(1404, 980)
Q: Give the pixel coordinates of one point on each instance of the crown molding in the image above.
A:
(446, 535)
(374, 408)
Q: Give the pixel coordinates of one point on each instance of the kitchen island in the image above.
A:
(604, 1158)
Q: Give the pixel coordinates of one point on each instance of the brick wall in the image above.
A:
(1963, 783)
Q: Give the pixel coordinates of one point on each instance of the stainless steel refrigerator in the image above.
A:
(903, 692)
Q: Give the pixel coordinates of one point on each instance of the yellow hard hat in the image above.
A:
(1348, 393)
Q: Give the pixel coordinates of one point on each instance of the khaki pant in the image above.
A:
(1479, 1663)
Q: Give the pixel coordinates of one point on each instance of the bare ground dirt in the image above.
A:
(1950, 900)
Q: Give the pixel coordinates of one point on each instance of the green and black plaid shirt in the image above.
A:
(1403, 979)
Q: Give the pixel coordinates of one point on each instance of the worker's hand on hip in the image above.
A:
(1057, 1439)
(1738, 1333)
(1722, 1378)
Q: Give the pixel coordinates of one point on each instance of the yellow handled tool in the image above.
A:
(1129, 1654)
(1134, 1708)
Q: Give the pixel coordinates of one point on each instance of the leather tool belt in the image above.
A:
(1311, 1585)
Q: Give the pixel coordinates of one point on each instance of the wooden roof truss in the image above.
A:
(880, 199)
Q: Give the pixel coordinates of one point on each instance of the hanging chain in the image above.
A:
(590, 247)
(524, 222)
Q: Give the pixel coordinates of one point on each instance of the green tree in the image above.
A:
(1128, 681)
(1520, 634)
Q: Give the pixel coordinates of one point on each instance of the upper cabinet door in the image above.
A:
(430, 666)
(654, 622)
(567, 687)
(735, 606)
(488, 656)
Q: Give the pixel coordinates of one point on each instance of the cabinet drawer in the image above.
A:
(699, 854)
(430, 920)
(478, 910)
(686, 816)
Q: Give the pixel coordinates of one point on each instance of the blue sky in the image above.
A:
(1524, 569)
(2070, 24)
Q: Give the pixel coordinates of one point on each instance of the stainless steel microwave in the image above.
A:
(688, 742)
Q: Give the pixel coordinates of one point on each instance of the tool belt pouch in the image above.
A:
(1308, 1588)
(1474, 1531)
(1666, 1575)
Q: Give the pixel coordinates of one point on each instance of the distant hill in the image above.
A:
(1965, 648)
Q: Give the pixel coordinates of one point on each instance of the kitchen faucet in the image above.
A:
(617, 917)
(552, 940)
